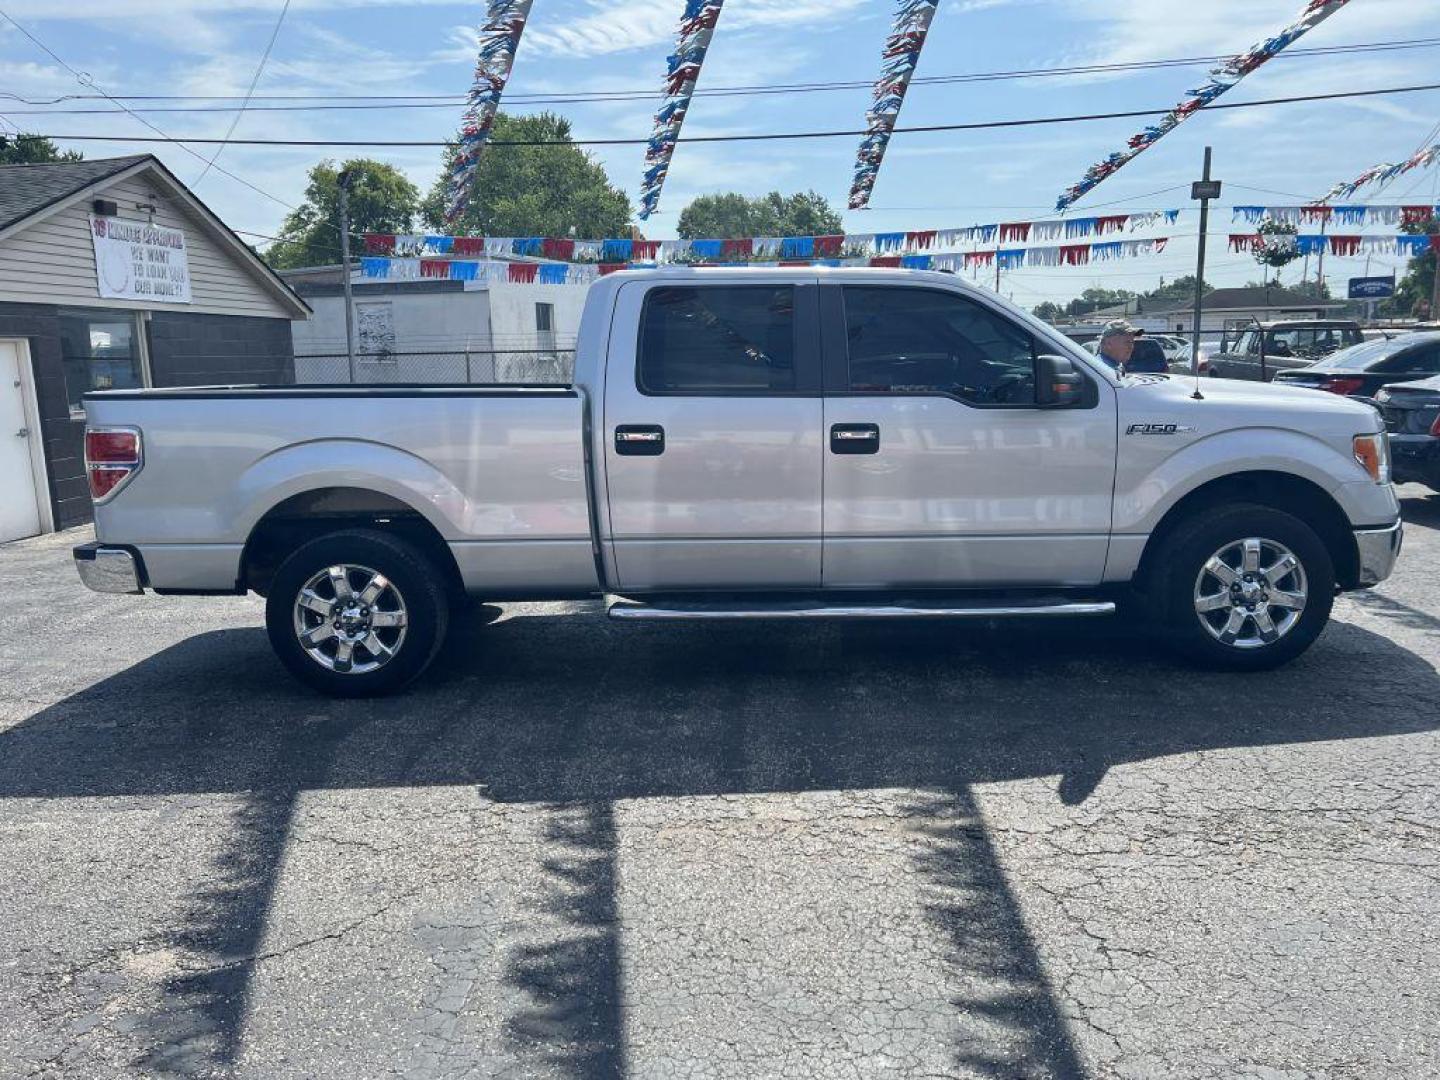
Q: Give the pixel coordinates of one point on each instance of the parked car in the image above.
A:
(1361, 370)
(747, 444)
(1176, 349)
(1412, 416)
(1147, 357)
(1268, 348)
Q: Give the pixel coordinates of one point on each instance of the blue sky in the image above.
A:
(928, 181)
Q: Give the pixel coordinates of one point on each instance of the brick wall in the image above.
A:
(62, 437)
(196, 350)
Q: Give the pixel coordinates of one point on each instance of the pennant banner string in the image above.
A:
(1221, 79)
(1341, 215)
(697, 28)
(898, 62)
(499, 38)
(619, 250)
(496, 271)
(1384, 173)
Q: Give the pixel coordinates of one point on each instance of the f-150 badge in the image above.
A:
(1157, 429)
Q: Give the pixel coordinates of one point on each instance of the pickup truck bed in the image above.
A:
(498, 472)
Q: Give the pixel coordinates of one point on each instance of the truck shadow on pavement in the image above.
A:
(573, 713)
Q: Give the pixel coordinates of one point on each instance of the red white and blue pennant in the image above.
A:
(499, 38)
(1221, 79)
(1385, 172)
(898, 63)
(697, 28)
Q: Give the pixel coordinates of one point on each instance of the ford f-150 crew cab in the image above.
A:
(749, 443)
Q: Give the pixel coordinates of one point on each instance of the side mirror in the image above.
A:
(1057, 382)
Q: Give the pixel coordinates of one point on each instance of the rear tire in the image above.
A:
(357, 613)
(1242, 587)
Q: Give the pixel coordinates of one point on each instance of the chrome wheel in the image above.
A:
(350, 619)
(1250, 593)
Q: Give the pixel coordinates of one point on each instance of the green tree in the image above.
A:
(381, 200)
(1182, 288)
(33, 149)
(533, 190)
(730, 215)
(1048, 311)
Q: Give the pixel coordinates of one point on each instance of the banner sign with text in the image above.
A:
(135, 260)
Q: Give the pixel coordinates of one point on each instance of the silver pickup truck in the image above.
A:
(753, 443)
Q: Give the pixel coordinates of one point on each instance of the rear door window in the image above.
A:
(718, 339)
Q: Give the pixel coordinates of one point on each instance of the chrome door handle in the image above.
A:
(23, 433)
(855, 439)
(640, 440)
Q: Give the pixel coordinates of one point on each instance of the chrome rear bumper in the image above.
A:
(1379, 548)
(107, 569)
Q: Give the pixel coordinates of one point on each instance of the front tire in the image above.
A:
(357, 613)
(1243, 587)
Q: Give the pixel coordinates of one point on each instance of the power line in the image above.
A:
(445, 101)
(255, 79)
(86, 80)
(768, 137)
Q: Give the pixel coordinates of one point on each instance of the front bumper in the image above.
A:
(1378, 548)
(1415, 459)
(108, 569)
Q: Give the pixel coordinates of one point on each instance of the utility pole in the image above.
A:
(1435, 288)
(997, 272)
(1203, 189)
(1320, 266)
(343, 183)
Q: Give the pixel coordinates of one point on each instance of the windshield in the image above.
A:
(1359, 357)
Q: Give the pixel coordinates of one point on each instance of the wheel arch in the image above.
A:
(1293, 494)
(315, 512)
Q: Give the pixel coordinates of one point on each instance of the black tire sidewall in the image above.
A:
(413, 574)
(1190, 545)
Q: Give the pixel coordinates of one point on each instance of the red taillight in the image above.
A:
(1435, 427)
(1342, 384)
(112, 456)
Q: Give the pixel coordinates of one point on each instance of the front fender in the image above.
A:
(347, 463)
(1146, 487)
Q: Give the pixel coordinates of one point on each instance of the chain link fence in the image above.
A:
(469, 366)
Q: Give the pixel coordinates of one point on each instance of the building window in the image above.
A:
(545, 318)
(100, 350)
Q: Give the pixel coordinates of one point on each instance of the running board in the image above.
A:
(793, 610)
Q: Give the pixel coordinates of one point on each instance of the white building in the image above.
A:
(436, 331)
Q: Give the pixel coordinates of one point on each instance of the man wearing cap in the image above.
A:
(1117, 342)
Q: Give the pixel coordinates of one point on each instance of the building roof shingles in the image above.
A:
(25, 190)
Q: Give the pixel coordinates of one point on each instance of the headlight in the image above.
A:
(1373, 454)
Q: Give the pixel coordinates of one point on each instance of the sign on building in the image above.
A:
(1372, 288)
(136, 260)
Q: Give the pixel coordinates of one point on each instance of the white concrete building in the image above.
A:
(436, 331)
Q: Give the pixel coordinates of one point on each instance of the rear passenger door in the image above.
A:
(941, 470)
(713, 452)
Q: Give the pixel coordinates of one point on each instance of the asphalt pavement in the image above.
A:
(580, 850)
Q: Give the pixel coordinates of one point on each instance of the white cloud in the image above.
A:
(621, 25)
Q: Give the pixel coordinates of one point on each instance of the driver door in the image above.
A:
(940, 469)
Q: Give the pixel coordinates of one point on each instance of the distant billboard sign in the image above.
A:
(1372, 288)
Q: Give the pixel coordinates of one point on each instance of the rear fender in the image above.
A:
(351, 463)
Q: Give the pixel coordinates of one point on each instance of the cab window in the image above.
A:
(718, 339)
(903, 340)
